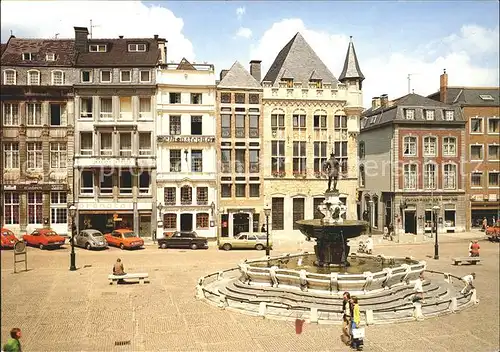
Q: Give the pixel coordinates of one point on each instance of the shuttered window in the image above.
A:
(277, 215)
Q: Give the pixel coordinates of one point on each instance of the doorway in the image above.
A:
(186, 222)
(224, 220)
(411, 222)
(241, 223)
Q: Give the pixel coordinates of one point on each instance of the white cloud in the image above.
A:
(130, 19)
(240, 11)
(460, 54)
(244, 32)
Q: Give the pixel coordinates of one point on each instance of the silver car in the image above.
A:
(91, 239)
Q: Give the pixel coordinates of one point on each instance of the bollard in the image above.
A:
(473, 297)
(314, 315)
(199, 292)
(220, 275)
(369, 317)
(417, 313)
(262, 309)
(453, 305)
(222, 301)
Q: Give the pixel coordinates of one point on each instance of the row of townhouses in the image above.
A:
(135, 141)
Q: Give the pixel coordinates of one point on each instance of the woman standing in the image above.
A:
(356, 343)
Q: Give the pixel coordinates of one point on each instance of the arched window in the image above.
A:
(410, 176)
(299, 119)
(430, 176)
(449, 146)
(277, 119)
(362, 176)
(361, 149)
(449, 176)
(430, 146)
(202, 221)
(320, 120)
(57, 78)
(186, 195)
(33, 78)
(9, 77)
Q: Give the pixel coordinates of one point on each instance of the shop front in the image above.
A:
(481, 210)
(236, 221)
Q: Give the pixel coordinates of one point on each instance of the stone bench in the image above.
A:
(142, 277)
(470, 260)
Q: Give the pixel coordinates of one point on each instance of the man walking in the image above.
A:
(13, 344)
(347, 315)
(419, 290)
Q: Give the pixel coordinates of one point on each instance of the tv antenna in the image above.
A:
(409, 81)
(91, 27)
(57, 34)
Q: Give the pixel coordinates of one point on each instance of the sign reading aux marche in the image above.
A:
(187, 139)
(36, 187)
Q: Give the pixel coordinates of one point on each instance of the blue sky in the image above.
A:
(392, 38)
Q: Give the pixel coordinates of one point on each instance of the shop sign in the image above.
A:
(35, 187)
(429, 199)
(187, 139)
(104, 206)
(106, 162)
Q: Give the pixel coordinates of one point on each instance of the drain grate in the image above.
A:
(108, 293)
(122, 343)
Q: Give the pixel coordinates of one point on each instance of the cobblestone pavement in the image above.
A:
(59, 310)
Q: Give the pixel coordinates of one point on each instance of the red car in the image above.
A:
(124, 238)
(8, 238)
(44, 238)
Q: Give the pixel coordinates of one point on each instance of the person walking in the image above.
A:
(346, 318)
(356, 343)
(13, 344)
(485, 224)
(474, 249)
(419, 289)
(469, 283)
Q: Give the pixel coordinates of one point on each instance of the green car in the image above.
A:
(245, 240)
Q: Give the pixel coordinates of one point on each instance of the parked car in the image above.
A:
(8, 238)
(44, 238)
(183, 239)
(90, 239)
(245, 240)
(124, 238)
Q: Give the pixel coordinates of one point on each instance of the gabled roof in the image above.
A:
(117, 53)
(238, 77)
(470, 96)
(3, 46)
(297, 60)
(64, 50)
(351, 65)
(185, 65)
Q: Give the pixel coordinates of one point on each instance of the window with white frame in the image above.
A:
(97, 48)
(145, 182)
(145, 107)
(449, 115)
(125, 144)
(106, 178)
(429, 115)
(11, 155)
(86, 107)
(476, 180)
(340, 123)
(410, 114)
(410, 176)
(145, 76)
(35, 206)
(450, 176)
(33, 78)
(57, 114)
(58, 155)
(10, 114)
(34, 114)
(9, 77)
(106, 147)
(341, 155)
(106, 111)
(170, 195)
(145, 147)
(125, 76)
(11, 208)
(202, 221)
(493, 152)
(125, 182)
(493, 125)
(476, 152)
(170, 221)
(493, 179)
(86, 76)
(175, 125)
(299, 120)
(202, 195)
(50, 57)
(87, 182)
(277, 121)
(449, 146)
(430, 146)
(175, 160)
(410, 146)
(299, 158)
(196, 160)
(35, 156)
(86, 144)
(430, 176)
(186, 195)
(319, 120)
(57, 78)
(476, 125)
(106, 76)
(58, 208)
(278, 156)
(139, 47)
(27, 56)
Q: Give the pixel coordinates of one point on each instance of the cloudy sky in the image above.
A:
(392, 39)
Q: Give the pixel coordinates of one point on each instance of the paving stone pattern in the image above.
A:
(59, 310)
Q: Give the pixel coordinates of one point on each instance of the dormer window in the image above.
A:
(486, 97)
(50, 57)
(98, 48)
(449, 115)
(410, 114)
(27, 56)
(429, 115)
(289, 82)
(133, 48)
(318, 83)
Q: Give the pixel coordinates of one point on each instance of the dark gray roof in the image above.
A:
(238, 77)
(64, 50)
(297, 60)
(351, 65)
(395, 112)
(471, 96)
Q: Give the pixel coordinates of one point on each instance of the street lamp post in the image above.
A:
(72, 256)
(160, 208)
(435, 210)
(267, 212)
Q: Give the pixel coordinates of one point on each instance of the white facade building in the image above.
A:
(186, 183)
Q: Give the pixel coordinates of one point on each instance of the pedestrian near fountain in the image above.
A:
(13, 344)
(357, 342)
(369, 245)
(475, 249)
(346, 318)
(470, 249)
(485, 224)
(419, 289)
(469, 283)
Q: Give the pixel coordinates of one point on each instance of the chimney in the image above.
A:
(81, 37)
(384, 100)
(223, 74)
(120, 36)
(443, 87)
(375, 103)
(255, 69)
(155, 36)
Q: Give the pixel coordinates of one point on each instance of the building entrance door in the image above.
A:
(241, 223)
(411, 222)
(186, 222)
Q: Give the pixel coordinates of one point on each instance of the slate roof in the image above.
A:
(351, 65)
(117, 54)
(297, 60)
(395, 112)
(64, 50)
(2, 48)
(470, 96)
(238, 77)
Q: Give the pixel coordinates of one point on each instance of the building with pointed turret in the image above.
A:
(308, 114)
